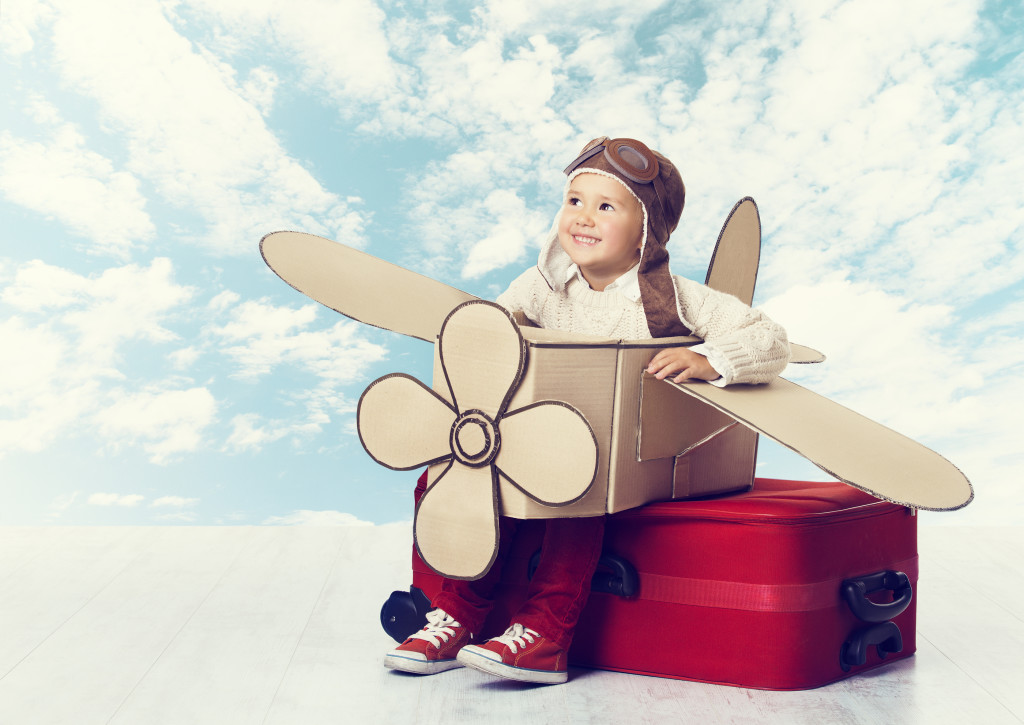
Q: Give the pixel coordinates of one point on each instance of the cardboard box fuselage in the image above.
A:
(653, 442)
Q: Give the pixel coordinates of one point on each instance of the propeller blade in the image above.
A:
(403, 424)
(483, 357)
(456, 527)
(548, 444)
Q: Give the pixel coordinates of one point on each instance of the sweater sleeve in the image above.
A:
(523, 295)
(742, 343)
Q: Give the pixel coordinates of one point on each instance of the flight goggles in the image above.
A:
(631, 158)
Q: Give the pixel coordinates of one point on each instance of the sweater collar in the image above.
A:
(628, 285)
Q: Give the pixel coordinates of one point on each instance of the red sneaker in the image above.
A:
(432, 649)
(519, 654)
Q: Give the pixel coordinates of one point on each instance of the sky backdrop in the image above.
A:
(154, 371)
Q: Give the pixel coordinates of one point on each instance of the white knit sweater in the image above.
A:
(743, 344)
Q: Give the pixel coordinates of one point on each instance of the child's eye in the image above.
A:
(607, 207)
(573, 201)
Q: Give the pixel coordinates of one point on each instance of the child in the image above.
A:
(602, 271)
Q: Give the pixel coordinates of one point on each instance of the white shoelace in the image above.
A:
(440, 627)
(516, 636)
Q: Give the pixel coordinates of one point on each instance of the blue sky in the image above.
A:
(153, 371)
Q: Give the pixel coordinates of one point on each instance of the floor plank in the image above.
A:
(231, 654)
(48, 581)
(281, 625)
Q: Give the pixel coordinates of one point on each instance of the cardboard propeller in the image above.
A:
(547, 449)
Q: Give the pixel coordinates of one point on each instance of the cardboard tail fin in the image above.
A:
(734, 262)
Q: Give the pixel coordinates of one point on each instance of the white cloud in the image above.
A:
(181, 517)
(64, 347)
(18, 22)
(259, 88)
(121, 304)
(224, 300)
(259, 338)
(184, 358)
(497, 230)
(268, 335)
(187, 128)
(341, 47)
(60, 505)
(887, 356)
(174, 502)
(63, 179)
(248, 434)
(115, 499)
(304, 517)
(166, 423)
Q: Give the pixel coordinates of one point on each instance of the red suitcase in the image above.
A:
(791, 585)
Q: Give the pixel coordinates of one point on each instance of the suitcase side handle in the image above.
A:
(620, 578)
(855, 591)
(886, 637)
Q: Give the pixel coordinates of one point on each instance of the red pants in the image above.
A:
(557, 592)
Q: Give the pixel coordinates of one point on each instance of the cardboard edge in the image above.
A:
(707, 439)
(803, 355)
(517, 380)
(590, 429)
(359, 432)
(833, 474)
(497, 529)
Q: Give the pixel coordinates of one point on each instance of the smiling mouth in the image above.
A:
(587, 241)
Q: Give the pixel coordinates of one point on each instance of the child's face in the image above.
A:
(601, 228)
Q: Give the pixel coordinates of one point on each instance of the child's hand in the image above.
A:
(683, 363)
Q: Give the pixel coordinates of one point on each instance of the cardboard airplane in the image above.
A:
(535, 423)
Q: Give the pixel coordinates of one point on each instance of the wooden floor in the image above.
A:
(280, 625)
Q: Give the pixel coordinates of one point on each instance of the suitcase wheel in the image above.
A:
(886, 637)
(404, 613)
(620, 577)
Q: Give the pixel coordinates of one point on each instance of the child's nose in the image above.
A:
(585, 217)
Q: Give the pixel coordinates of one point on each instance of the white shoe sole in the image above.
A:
(483, 663)
(418, 667)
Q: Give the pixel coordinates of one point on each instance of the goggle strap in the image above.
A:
(588, 154)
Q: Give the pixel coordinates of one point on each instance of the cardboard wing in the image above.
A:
(361, 286)
(844, 444)
(475, 434)
(378, 293)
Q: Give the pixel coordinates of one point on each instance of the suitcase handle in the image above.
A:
(621, 579)
(856, 591)
(886, 637)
